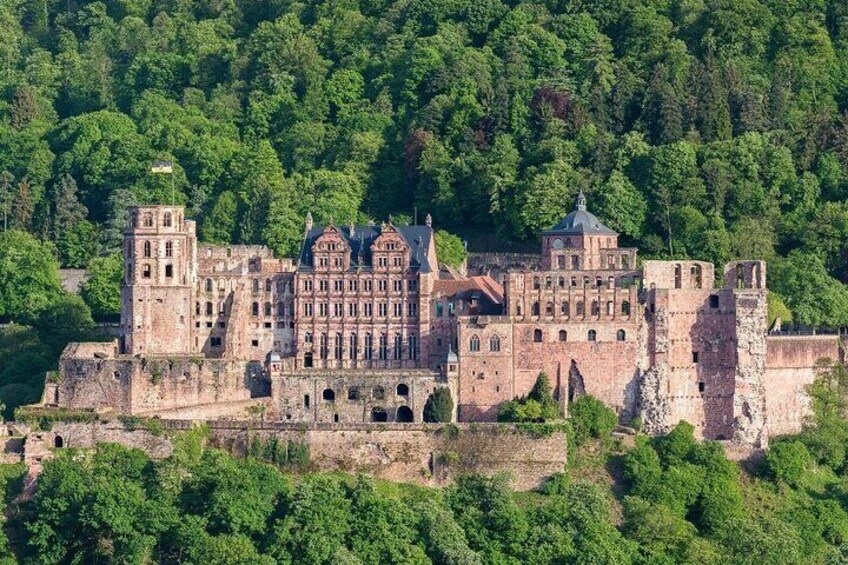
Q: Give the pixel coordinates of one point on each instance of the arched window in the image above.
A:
(474, 346)
(281, 309)
(581, 309)
(596, 308)
(537, 336)
(565, 308)
(379, 415)
(222, 284)
(255, 285)
(621, 335)
(329, 395)
(494, 343)
(535, 309)
(59, 443)
(625, 308)
(307, 337)
(267, 309)
(402, 389)
(563, 335)
(697, 281)
(677, 276)
(167, 220)
(207, 285)
(549, 309)
(378, 393)
(147, 251)
(254, 308)
(404, 414)
(148, 221)
(740, 276)
(593, 335)
(610, 308)
(197, 308)
(208, 308)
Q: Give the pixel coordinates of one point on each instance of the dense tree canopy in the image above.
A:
(715, 130)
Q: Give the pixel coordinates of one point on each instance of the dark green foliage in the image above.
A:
(101, 290)
(450, 250)
(590, 418)
(538, 406)
(787, 461)
(439, 406)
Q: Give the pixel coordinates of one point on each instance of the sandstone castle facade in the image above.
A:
(365, 324)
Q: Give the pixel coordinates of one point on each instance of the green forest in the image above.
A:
(668, 500)
(711, 129)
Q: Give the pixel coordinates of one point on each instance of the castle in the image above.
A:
(366, 324)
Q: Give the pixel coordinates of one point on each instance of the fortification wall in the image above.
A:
(790, 368)
(495, 264)
(426, 454)
(132, 385)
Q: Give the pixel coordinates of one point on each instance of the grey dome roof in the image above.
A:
(451, 356)
(580, 221)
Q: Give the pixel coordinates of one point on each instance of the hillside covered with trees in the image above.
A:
(701, 128)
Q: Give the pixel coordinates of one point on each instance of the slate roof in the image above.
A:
(581, 222)
(417, 237)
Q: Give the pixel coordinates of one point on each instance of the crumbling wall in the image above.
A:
(749, 400)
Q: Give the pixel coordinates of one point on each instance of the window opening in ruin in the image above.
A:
(701, 386)
(254, 343)
(625, 308)
(565, 308)
(740, 277)
(537, 336)
(402, 389)
(147, 249)
(575, 261)
(563, 335)
(714, 303)
(695, 272)
(549, 309)
(254, 308)
(58, 442)
(596, 308)
(148, 221)
(208, 285)
(593, 335)
(353, 393)
(694, 356)
(404, 414)
(379, 415)
(535, 309)
(576, 388)
(536, 283)
(378, 393)
(169, 271)
(610, 308)
(145, 271)
(336, 418)
(329, 395)
(169, 249)
(208, 308)
(307, 360)
(621, 335)
(677, 276)
(167, 220)
(306, 401)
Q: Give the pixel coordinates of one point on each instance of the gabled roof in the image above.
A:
(580, 222)
(417, 237)
(482, 286)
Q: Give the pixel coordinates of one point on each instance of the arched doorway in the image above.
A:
(58, 442)
(379, 415)
(404, 414)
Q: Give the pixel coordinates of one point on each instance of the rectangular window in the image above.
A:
(307, 310)
(169, 271)
(323, 286)
(412, 285)
(353, 309)
(307, 285)
(384, 347)
(322, 309)
(369, 346)
(353, 285)
(439, 309)
(215, 341)
(339, 349)
(323, 346)
(397, 309)
(383, 310)
(413, 347)
(412, 309)
(353, 346)
(397, 286)
(383, 262)
(169, 249)
(398, 348)
(369, 309)
(398, 262)
(338, 310)
(368, 284)
(381, 285)
(694, 356)
(338, 286)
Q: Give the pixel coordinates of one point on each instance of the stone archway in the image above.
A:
(404, 414)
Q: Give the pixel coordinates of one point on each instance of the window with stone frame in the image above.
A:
(474, 344)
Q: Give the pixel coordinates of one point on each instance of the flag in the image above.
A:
(162, 167)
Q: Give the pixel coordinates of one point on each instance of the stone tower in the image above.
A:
(160, 249)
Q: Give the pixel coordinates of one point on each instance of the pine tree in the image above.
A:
(68, 211)
(6, 180)
(23, 207)
(439, 406)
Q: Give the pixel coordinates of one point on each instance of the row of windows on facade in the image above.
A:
(338, 262)
(695, 273)
(383, 350)
(148, 221)
(268, 310)
(353, 309)
(357, 393)
(563, 263)
(580, 308)
(147, 271)
(538, 336)
(147, 249)
(282, 285)
(626, 282)
(367, 285)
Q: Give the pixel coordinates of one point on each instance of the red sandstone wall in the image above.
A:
(790, 367)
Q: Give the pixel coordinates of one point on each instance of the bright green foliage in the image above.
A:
(29, 277)
(450, 250)
(788, 460)
(591, 418)
(439, 406)
(102, 288)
